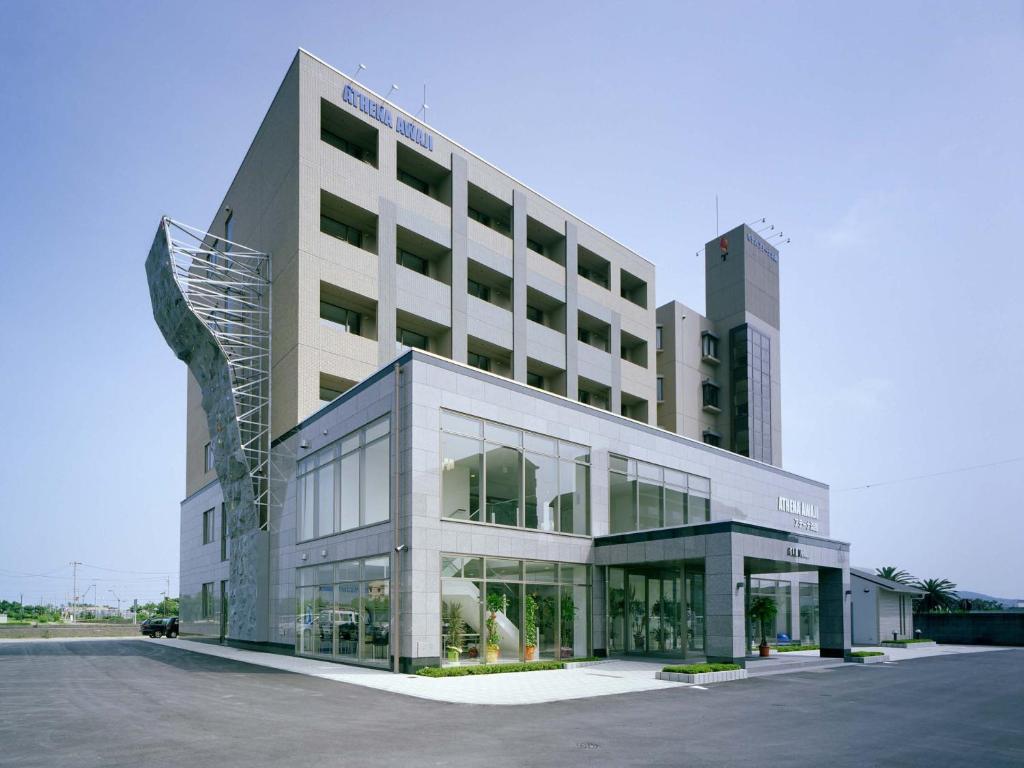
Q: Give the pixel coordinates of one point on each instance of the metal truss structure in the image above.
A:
(227, 287)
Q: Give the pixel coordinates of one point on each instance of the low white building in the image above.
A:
(881, 609)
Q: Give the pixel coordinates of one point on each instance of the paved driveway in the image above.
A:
(134, 702)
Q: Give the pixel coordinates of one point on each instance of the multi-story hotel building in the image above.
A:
(433, 416)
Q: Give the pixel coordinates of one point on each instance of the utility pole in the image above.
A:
(74, 590)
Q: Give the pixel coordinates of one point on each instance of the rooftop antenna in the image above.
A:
(359, 69)
(755, 222)
(766, 229)
(391, 90)
(777, 234)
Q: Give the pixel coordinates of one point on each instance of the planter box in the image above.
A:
(903, 644)
(868, 659)
(577, 664)
(704, 677)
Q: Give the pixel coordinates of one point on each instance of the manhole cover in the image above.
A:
(588, 745)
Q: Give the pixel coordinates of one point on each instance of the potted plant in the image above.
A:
(568, 618)
(530, 627)
(455, 629)
(495, 603)
(763, 610)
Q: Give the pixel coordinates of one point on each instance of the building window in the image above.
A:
(341, 231)
(541, 609)
(644, 496)
(709, 346)
(206, 600)
(327, 394)
(347, 320)
(223, 533)
(661, 388)
(534, 246)
(418, 184)
(593, 338)
(478, 289)
(208, 458)
(709, 391)
(412, 261)
(535, 380)
(632, 288)
(658, 338)
(347, 484)
(535, 314)
(505, 476)
(407, 338)
(712, 438)
(479, 361)
(229, 230)
(208, 526)
(349, 148)
(600, 278)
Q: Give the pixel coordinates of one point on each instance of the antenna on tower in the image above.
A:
(359, 69)
(424, 107)
(391, 90)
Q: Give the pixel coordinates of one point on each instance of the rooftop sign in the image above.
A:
(380, 112)
(756, 241)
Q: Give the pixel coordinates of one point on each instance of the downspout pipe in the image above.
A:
(396, 574)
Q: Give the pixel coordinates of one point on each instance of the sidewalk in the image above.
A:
(604, 679)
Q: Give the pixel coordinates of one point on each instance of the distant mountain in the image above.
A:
(1008, 602)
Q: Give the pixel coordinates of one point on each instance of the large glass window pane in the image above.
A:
(323, 624)
(462, 621)
(573, 615)
(454, 422)
(502, 467)
(541, 474)
(496, 433)
(695, 613)
(348, 509)
(503, 570)
(377, 429)
(348, 618)
(502, 623)
(675, 507)
(325, 500)
(305, 638)
(376, 620)
(616, 611)
(540, 622)
(622, 503)
(574, 497)
(307, 499)
(650, 505)
(541, 572)
(698, 509)
(377, 485)
(461, 459)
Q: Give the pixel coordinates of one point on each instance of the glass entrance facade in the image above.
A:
(656, 610)
(345, 611)
(498, 610)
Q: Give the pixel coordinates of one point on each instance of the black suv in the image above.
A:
(158, 627)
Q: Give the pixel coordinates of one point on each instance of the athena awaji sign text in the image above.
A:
(382, 114)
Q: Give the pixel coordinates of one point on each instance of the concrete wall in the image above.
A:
(995, 628)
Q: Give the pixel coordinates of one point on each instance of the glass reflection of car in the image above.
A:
(345, 622)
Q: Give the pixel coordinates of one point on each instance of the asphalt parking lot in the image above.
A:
(135, 702)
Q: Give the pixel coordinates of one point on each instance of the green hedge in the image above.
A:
(698, 669)
(791, 648)
(862, 654)
(489, 669)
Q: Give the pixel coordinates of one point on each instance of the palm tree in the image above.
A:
(939, 595)
(892, 573)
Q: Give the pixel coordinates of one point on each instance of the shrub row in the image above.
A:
(698, 669)
(791, 648)
(490, 669)
(862, 654)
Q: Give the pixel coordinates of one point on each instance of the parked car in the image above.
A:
(158, 627)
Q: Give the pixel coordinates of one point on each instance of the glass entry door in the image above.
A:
(654, 607)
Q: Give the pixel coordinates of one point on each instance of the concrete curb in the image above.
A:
(868, 659)
(900, 644)
(578, 664)
(703, 677)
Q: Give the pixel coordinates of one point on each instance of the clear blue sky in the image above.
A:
(884, 138)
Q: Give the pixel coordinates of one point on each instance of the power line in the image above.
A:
(932, 474)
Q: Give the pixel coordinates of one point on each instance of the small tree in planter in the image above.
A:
(763, 610)
(530, 627)
(455, 631)
(495, 603)
(568, 617)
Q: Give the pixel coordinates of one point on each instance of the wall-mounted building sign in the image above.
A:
(756, 241)
(805, 515)
(382, 114)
